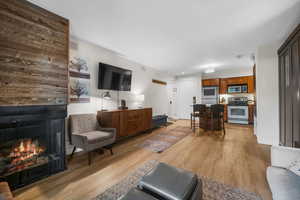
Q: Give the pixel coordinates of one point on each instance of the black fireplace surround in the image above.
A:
(32, 143)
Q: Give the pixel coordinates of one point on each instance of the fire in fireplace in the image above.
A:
(21, 154)
(32, 143)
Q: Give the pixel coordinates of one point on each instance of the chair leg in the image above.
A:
(90, 157)
(224, 127)
(74, 149)
(111, 151)
(191, 121)
(212, 125)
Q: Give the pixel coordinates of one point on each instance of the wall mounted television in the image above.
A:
(114, 78)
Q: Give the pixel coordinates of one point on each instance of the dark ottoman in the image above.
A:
(172, 183)
(135, 194)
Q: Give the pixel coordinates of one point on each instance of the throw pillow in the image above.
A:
(295, 167)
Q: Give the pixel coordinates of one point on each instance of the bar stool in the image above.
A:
(198, 112)
(217, 113)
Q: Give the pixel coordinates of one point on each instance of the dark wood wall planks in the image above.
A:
(34, 55)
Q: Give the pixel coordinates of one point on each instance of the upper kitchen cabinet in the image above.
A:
(211, 82)
(244, 80)
(223, 86)
(251, 87)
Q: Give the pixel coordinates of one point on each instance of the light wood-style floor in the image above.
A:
(237, 160)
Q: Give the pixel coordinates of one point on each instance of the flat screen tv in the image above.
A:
(114, 78)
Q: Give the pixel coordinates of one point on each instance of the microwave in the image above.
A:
(237, 89)
(210, 92)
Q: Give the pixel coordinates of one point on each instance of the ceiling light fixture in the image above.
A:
(209, 65)
(211, 70)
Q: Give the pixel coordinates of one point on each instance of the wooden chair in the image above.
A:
(198, 112)
(217, 114)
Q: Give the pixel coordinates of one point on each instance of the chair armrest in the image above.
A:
(78, 139)
(283, 156)
(111, 130)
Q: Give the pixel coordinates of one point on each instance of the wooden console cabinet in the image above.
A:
(127, 122)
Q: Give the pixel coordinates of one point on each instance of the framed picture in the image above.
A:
(79, 81)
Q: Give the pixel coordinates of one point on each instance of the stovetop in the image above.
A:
(238, 101)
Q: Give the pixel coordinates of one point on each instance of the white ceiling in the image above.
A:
(180, 35)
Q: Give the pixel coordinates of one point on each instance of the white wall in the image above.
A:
(247, 71)
(267, 93)
(186, 88)
(155, 95)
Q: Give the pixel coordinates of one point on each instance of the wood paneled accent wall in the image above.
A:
(289, 90)
(34, 55)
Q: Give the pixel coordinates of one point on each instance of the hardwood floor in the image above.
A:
(237, 160)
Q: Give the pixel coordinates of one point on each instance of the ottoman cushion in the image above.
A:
(135, 194)
(169, 182)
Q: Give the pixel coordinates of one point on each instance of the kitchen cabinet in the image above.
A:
(211, 82)
(223, 86)
(251, 108)
(248, 80)
(289, 89)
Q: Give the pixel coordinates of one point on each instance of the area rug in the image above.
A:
(212, 190)
(168, 137)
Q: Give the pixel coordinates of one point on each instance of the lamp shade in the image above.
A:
(106, 95)
(140, 97)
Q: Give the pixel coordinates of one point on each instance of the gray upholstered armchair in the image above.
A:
(87, 134)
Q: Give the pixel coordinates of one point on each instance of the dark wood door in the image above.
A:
(295, 91)
(289, 90)
(282, 98)
(288, 99)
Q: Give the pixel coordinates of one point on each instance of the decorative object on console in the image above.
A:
(79, 81)
(123, 105)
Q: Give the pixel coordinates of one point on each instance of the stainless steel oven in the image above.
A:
(238, 110)
(238, 114)
(210, 95)
(210, 92)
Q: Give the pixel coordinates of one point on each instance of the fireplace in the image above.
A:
(32, 143)
(22, 154)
